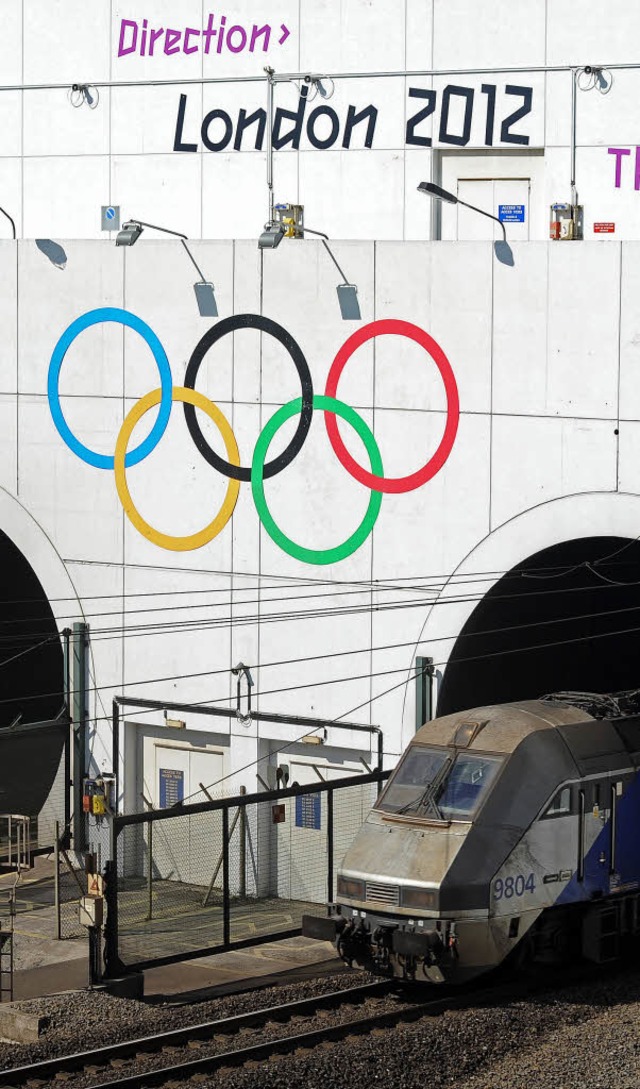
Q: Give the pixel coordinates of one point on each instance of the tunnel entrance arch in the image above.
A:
(31, 657)
(568, 617)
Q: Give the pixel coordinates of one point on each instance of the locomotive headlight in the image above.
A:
(418, 898)
(349, 886)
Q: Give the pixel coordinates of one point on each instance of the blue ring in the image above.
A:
(124, 317)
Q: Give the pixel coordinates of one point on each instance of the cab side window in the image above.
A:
(560, 804)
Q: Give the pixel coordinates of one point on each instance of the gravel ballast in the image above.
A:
(584, 1037)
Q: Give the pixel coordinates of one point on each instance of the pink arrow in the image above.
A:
(285, 34)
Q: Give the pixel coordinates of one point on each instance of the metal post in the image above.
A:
(150, 865)
(424, 691)
(574, 110)
(115, 753)
(226, 921)
(242, 891)
(95, 975)
(66, 658)
(330, 845)
(56, 881)
(270, 89)
(68, 781)
(79, 715)
(112, 959)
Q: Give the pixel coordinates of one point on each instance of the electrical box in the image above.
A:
(566, 222)
(91, 911)
(291, 216)
(96, 795)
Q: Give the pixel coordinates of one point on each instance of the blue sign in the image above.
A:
(308, 811)
(171, 787)
(511, 213)
(110, 213)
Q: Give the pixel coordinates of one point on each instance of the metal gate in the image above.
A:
(200, 879)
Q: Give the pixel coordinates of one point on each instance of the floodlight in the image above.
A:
(436, 191)
(271, 236)
(129, 234)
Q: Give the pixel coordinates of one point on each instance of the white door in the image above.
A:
(185, 849)
(180, 773)
(506, 198)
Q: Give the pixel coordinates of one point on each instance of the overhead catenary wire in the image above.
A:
(551, 572)
(405, 682)
(127, 630)
(337, 655)
(308, 580)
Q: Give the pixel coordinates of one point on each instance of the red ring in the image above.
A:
(414, 480)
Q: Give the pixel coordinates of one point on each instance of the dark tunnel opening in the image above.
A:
(567, 618)
(31, 658)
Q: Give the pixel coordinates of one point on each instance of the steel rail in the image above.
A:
(47, 1069)
(481, 996)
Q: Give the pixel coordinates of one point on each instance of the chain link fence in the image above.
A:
(224, 874)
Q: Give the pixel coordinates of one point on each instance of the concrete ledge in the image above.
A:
(24, 1028)
(129, 986)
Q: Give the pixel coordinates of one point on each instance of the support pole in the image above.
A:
(79, 716)
(150, 874)
(115, 753)
(270, 88)
(56, 881)
(242, 890)
(226, 898)
(574, 123)
(424, 690)
(330, 845)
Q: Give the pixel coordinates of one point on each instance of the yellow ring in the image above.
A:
(166, 540)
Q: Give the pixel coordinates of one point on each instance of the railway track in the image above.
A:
(171, 1058)
(212, 1036)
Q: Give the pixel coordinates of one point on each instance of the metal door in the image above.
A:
(506, 198)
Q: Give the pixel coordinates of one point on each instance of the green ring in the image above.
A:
(311, 555)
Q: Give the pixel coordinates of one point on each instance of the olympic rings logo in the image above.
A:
(260, 469)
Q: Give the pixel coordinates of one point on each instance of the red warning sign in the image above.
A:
(604, 228)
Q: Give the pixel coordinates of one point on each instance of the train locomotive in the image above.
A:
(510, 831)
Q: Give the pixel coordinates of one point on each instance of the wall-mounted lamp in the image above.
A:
(204, 290)
(129, 234)
(436, 191)
(314, 739)
(174, 723)
(347, 293)
(290, 224)
(271, 236)
(502, 249)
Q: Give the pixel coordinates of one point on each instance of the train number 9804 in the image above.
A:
(513, 886)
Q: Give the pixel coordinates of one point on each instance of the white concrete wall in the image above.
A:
(544, 355)
(58, 164)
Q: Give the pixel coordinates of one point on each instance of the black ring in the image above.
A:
(266, 325)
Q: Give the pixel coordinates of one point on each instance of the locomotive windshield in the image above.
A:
(439, 783)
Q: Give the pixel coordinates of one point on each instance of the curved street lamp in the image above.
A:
(439, 193)
(204, 290)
